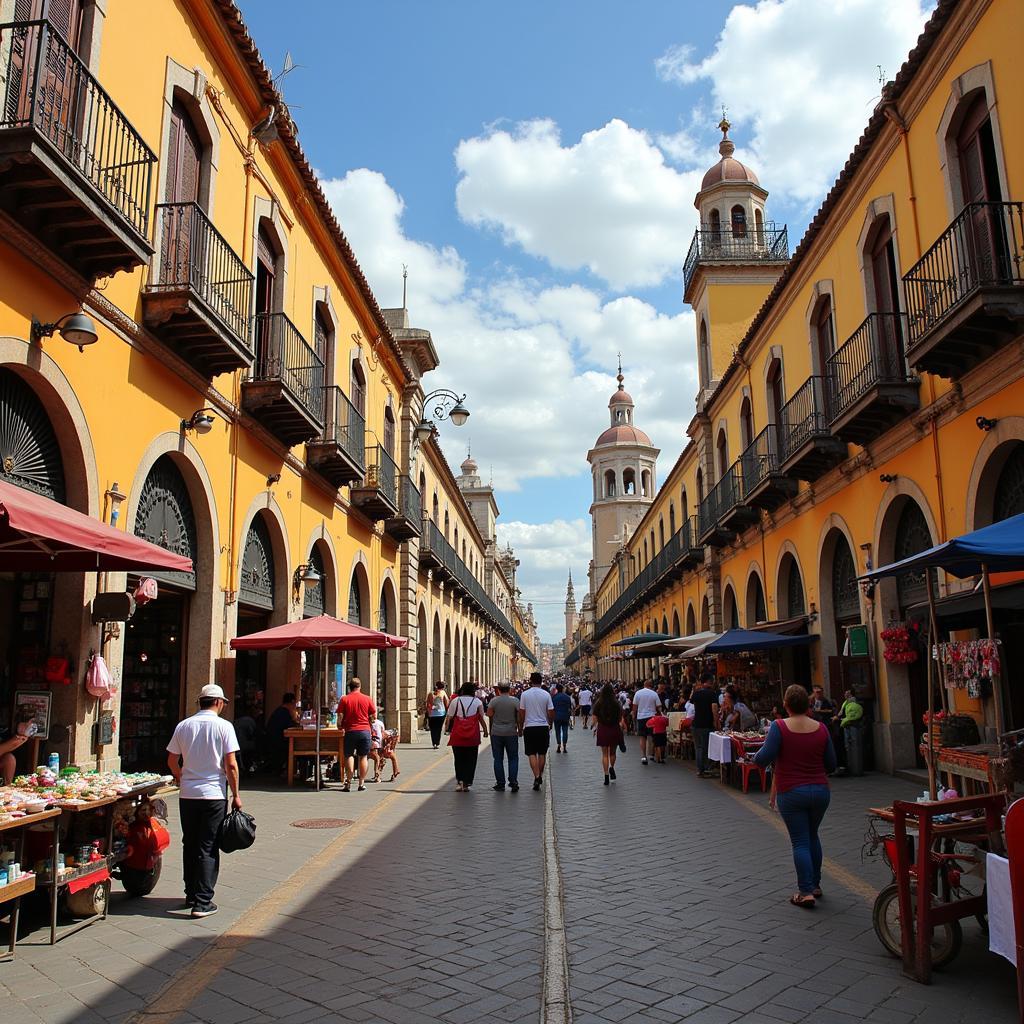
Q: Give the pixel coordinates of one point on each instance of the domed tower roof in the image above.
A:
(728, 169)
(620, 407)
(469, 466)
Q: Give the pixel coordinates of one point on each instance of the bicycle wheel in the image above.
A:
(946, 938)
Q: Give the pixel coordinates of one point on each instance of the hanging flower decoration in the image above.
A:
(900, 646)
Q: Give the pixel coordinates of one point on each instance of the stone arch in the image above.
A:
(321, 539)
(387, 660)
(995, 448)
(730, 607)
(675, 622)
(962, 92)
(788, 562)
(691, 619)
(705, 614)
(833, 529)
(754, 611)
(206, 619)
(436, 653)
(447, 660)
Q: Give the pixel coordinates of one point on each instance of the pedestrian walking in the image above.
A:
(436, 708)
(536, 715)
(503, 713)
(465, 720)
(562, 704)
(586, 699)
(851, 724)
(658, 726)
(646, 704)
(356, 712)
(801, 754)
(705, 718)
(201, 757)
(608, 721)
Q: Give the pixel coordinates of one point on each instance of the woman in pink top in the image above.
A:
(801, 753)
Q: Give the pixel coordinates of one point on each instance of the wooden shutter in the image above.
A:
(184, 151)
(979, 183)
(265, 252)
(66, 17)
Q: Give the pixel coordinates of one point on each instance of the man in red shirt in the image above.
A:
(356, 712)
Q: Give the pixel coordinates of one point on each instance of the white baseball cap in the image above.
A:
(212, 690)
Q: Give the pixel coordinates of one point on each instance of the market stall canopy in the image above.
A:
(735, 641)
(684, 643)
(966, 610)
(641, 638)
(673, 645)
(38, 534)
(995, 548)
(313, 634)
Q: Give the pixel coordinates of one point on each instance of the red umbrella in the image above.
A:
(38, 534)
(323, 632)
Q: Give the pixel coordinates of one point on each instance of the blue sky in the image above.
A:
(534, 163)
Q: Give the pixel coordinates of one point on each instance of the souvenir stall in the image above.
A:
(320, 634)
(939, 842)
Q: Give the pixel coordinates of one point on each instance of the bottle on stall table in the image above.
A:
(53, 763)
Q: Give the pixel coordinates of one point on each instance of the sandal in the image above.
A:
(802, 900)
(817, 893)
(395, 776)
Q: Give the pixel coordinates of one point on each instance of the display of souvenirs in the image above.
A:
(971, 665)
(68, 788)
(900, 645)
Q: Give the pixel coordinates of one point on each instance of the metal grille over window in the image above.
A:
(256, 586)
(165, 517)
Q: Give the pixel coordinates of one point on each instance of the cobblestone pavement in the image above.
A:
(429, 908)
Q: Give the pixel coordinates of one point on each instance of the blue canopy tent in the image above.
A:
(739, 640)
(641, 638)
(995, 548)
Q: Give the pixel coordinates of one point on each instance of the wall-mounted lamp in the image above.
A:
(114, 497)
(75, 328)
(887, 478)
(305, 576)
(274, 478)
(201, 421)
(868, 586)
(812, 615)
(984, 423)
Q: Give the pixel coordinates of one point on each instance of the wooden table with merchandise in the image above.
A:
(302, 743)
(13, 891)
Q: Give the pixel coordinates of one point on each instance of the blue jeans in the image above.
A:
(700, 747)
(802, 810)
(500, 746)
(561, 733)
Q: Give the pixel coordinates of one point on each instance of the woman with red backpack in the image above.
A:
(465, 722)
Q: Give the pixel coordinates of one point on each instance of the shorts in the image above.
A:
(357, 744)
(660, 740)
(584, 710)
(536, 740)
(642, 728)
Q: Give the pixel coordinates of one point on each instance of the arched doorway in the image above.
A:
(437, 652)
(387, 660)
(446, 660)
(791, 602)
(730, 613)
(157, 637)
(422, 658)
(257, 589)
(691, 620)
(757, 610)
(705, 614)
(357, 663)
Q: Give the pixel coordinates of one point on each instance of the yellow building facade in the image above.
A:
(860, 400)
(247, 402)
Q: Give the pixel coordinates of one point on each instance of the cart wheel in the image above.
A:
(89, 901)
(946, 938)
(141, 883)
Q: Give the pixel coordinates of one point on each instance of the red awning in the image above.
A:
(312, 634)
(41, 535)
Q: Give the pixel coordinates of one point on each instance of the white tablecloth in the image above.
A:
(720, 748)
(1002, 938)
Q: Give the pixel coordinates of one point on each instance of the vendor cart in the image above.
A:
(13, 831)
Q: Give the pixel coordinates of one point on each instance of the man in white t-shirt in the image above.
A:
(646, 704)
(201, 757)
(536, 714)
(586, 701)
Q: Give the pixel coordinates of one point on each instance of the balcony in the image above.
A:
(409, 521)
(435, 551)
(339, 454)
(376, 496)
(869, 387)
(73, 170)
(965, 296)
(765, 486)
(710, 530)
(808, 449)
(285, 388)
(691, 554)
(734, 513)
(767, 244)
(199, 299)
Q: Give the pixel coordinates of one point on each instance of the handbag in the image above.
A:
(464, 731)
(237, 832)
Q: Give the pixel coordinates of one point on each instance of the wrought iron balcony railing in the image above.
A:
(871, 356)
(284, 355)
(194, 255)
(47, 87)
(760, 459)
(983, 247)
(805, 416)
(711, 245)
(410, 504)
(344, 425)
(382, 473)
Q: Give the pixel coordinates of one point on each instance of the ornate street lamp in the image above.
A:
(447, 405)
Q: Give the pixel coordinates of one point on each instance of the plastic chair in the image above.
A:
(747, 767)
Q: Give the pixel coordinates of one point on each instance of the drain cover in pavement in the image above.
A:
(322, 823)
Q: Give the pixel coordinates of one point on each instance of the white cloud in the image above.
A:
(799, 78)
(608, 203)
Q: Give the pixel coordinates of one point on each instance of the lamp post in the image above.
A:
(447, 405)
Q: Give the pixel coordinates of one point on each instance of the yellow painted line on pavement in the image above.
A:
(177, 994)
(847, 879)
